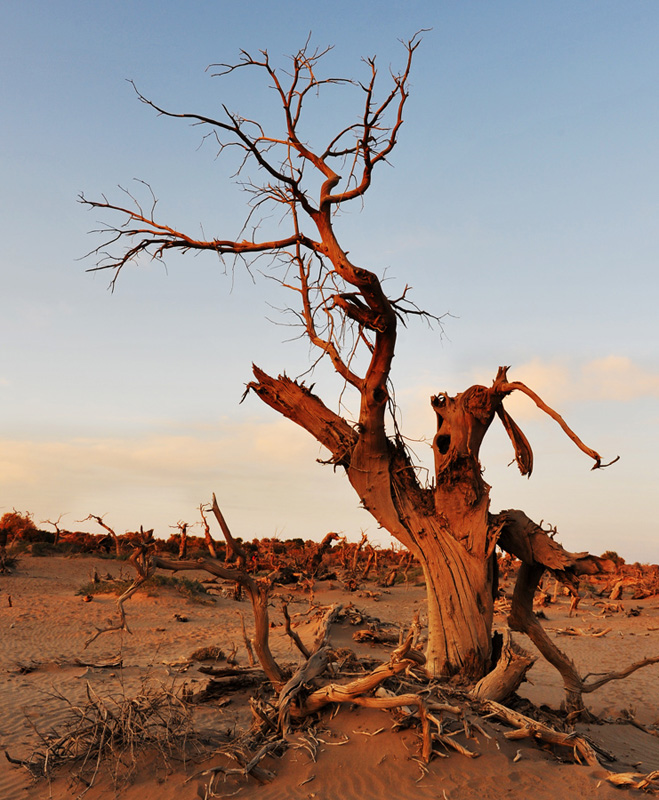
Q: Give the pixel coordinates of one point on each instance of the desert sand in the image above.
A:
(355, 752)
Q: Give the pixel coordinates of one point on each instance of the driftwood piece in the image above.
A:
(315, 666)
(117, 663)
(322, 634)
(532, 729)
(635, 780)
(345, 693)
(225, 672)
(376, 636)
(225, 684)
(508, 674)
(595, 633)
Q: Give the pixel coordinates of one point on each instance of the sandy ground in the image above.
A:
(358, 755)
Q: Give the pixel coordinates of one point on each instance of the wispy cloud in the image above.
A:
(265, 473)
(562, 383)
(619, 378)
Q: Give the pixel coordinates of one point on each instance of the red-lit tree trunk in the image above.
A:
(446, 528)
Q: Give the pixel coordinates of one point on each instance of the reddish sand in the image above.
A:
(358, 755)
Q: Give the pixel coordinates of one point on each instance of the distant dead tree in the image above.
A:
(55, 525)
(182, 528)
(352, 321)
(258, 589)
(210, 543)
(316, 558)
(111, 532)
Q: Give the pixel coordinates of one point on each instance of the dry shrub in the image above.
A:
(107, 735)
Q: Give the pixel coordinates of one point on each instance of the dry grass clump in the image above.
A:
(107, 735)
(191, 589)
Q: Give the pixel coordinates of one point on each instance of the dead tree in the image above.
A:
(141, 560)
(55, 525)
(234, 550)
(316, 559)
(3, 550)
(346, 314)
(210, 543)
(357, 550)
(115, 538)
(258, 590)
(182, 528)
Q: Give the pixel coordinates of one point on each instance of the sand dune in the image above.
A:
(357, 754)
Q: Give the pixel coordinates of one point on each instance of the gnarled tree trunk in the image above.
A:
(346, 315)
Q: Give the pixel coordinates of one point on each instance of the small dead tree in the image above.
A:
(182, 528)
(111, 532)
(356, 551)
(210, 543)
(258, 590)
(316, 559)
(352, 322)
(55, 525)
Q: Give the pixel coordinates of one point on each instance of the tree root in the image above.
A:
(527, 728)
(508, 674)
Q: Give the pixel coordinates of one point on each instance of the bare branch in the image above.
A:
(503, 387)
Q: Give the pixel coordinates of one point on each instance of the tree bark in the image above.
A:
(447, 528)
(460, 609)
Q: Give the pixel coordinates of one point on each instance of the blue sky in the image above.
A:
(522, 199)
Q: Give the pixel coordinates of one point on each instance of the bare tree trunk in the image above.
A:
(446, 529)
(115, 538)
(210, 543)
(183, 544)
(460, 609)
